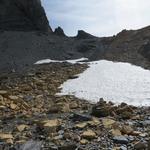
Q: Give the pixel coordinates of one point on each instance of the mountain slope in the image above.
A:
(26, 37)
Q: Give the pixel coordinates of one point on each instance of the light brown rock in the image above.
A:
(50, 123)
(108, 123)
(1, 98)
(116, 132)
(13, 97)
(81, 125)
(5, 136)
(83, 141)
(89, 134)
(9, 141)
(13, 106)
(2, 92)
(22, 127)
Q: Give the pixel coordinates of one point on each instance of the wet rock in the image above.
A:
(140, 146)
(73, 77)
(120, 140)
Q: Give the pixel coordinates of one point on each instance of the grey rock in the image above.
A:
(146, 122)
(32, 145)
(120, 140)
(80, 117)
(123, 148)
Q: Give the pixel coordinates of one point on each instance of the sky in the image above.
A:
(97, 17)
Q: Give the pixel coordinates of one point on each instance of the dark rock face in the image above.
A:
(59, 31)
(23, 15)
(83, 35)
(146, 50)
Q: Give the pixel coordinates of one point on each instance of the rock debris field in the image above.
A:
(34, 116)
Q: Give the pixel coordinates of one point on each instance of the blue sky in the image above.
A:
(98, 17)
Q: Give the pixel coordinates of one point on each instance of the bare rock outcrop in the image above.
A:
(23, 15)
(59, 31)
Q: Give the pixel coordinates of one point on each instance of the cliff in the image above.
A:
(23, 15)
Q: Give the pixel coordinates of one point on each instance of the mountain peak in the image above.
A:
(83, 35)
(23, 15)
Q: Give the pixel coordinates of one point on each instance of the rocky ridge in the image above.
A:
(26, 37)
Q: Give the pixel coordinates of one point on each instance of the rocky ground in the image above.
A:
(32, 117)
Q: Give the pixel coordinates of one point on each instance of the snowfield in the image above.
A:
(116, 82)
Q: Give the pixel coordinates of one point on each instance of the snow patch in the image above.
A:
(116, 82)
(47, 61)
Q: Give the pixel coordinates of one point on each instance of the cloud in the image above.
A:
(98, 17)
